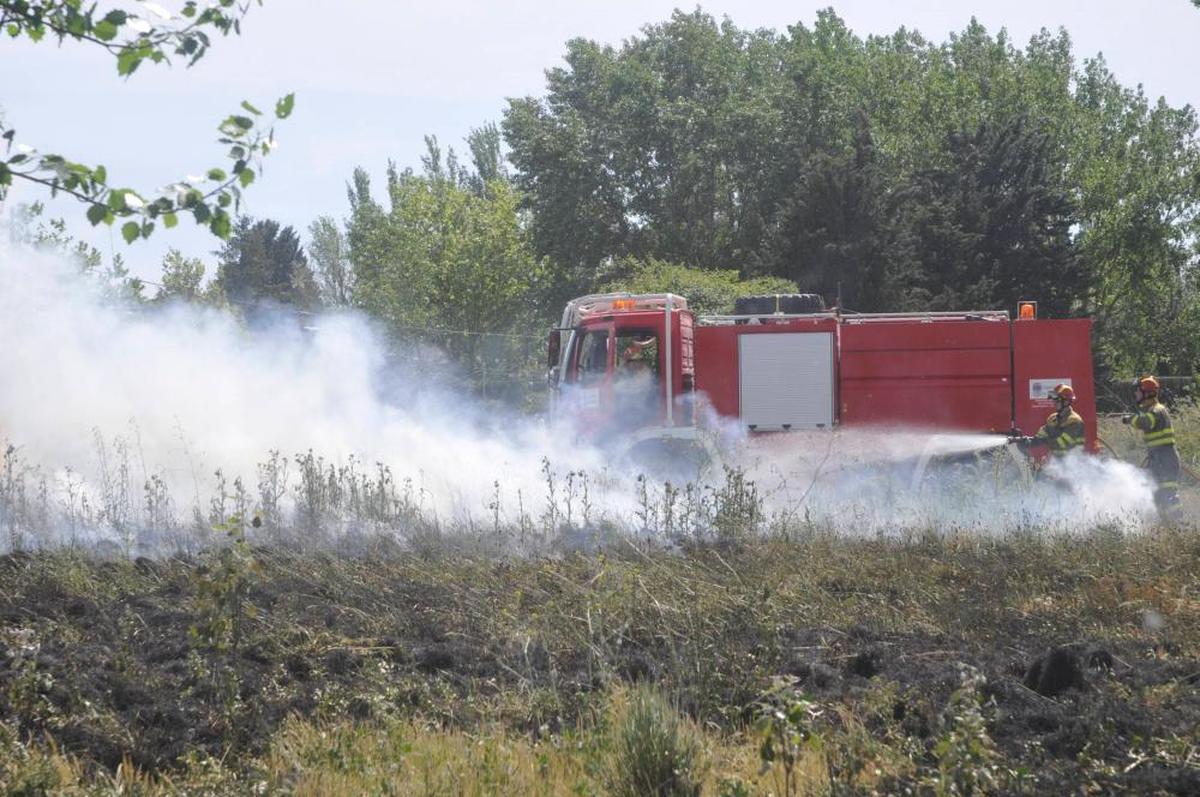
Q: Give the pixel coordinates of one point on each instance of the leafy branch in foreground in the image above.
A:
(208, 198)
(132, 39)
(154, 41)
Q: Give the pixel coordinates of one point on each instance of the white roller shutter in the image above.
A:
(786, 380)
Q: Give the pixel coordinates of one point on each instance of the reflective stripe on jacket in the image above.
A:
(1155, 424)
(1062, 434)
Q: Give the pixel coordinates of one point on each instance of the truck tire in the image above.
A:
(786, 303)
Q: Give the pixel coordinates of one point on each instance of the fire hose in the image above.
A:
(1191, 474)
(1020, 440)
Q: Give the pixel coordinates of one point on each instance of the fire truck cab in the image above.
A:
(644, 364)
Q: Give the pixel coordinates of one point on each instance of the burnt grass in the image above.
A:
(1089, 646)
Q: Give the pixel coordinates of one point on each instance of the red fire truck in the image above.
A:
(770, 368)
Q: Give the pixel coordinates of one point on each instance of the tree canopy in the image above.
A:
(263, 265)
(887, 172)
(898, 172)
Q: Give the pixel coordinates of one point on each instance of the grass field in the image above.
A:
(795, 662)
(941, 664)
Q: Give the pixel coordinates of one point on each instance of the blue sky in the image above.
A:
(372, 78)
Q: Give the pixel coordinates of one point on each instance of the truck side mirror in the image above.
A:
(554, 349)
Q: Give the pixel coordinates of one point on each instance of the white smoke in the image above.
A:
(187, 390)
(190, 391)
(890, 482)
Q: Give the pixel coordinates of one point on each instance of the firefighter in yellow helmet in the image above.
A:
(1154, 422)
(1064, 430)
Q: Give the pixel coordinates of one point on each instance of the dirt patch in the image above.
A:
(1056, 672)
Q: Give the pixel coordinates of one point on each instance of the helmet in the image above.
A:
(1063, 393)
(1147, 384)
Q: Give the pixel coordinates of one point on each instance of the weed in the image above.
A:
(654, 753)
(966, 756)
(788, 735)
(222, 585)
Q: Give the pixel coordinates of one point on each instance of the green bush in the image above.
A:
(653, 751)
(707, 290)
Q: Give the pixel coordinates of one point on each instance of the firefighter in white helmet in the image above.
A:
(1154, 422)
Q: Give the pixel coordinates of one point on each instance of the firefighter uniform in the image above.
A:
(1062, 432)
(1154, 422)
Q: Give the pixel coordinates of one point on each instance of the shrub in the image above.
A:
(654, 752)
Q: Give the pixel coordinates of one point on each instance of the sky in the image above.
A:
(373, 77)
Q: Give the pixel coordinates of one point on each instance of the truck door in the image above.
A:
(587, 390)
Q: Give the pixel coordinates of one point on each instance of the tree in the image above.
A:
(657, 149)
(330, 254)
(261, 266)
(31, 229)
(487, 157)
(907, 173)
(833, 232)
(707, 290)
(444, 264)
(182, 278)
(133, 39)
(992, 227)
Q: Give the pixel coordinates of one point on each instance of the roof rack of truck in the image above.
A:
(603, 303)
(967, 315)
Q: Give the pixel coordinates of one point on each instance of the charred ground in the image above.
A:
(1081, 655)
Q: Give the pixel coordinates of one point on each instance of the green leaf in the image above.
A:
(100, 175)
(130, 231)
(220, 225)
(236, 126)
(246, 104)
(96, 214)
(283, 108)
(169, 220)
(105, 31)
(246, 177)
(128, 61)
(217, 174)
(116, 201)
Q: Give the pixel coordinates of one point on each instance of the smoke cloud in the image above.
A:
(177, 392)
(188, 390)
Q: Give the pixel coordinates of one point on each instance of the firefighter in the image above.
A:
(1154, 422)
(636, 389)
(1063, 431)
